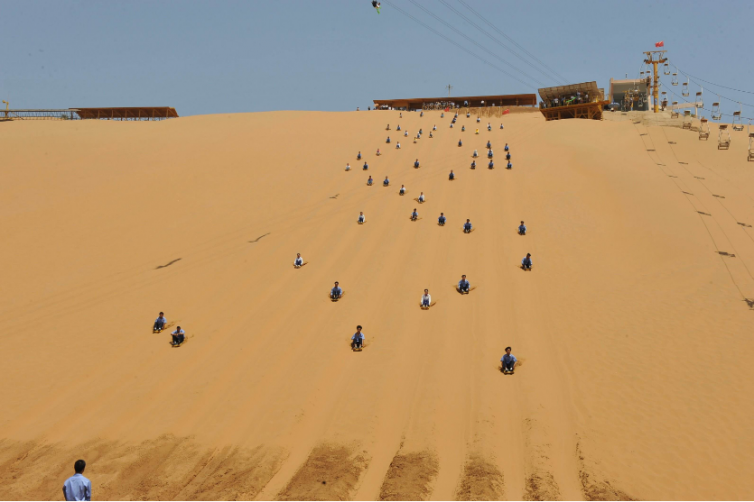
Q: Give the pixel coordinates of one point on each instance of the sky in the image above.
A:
(229, 56)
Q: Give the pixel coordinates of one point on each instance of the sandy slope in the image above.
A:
(636, 370)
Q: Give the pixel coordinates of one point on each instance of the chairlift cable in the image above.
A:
(479, 28)
(453, 28)
(527, 84)
(563, 79)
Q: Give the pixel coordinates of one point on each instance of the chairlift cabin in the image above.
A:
(674, 79)
(716, 114)
(737, 124)
(666, 69)
(751, 144)
(699, 101)
(674, 110)
(685, 90)
(704, 130)
(687, 119)
(723, 137)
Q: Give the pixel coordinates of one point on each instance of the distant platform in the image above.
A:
(117, 113)
(575, 101)
(496, 100)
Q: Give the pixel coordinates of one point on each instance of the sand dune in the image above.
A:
(631, 331)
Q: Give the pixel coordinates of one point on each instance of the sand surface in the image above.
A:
(633, 330)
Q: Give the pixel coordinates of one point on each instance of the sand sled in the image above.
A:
(427, 308)
(464, 231)
(506, 372)
(337, 299)
(361, 222)
(294, 266)
(417, 219)
(419, 201)
(472, 288)
(176, 345)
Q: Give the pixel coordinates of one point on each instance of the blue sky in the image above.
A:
(225, 56)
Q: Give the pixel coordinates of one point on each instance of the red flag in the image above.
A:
(660, 44)
(506, 111)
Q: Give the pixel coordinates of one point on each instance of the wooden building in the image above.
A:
(575, 101)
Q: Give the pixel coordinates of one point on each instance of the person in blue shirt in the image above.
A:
(508, 156)
(421, 131)
(398, 128)
(451, 176)
(509, 166)
(467, 226)
(357, 340)
(526, 263)
(501, 126)
(463, 128)
(522, 229)
(434, 127)
(451, 125)
(490, 154)
(386, 182)
(460, 143)
(159, 323)
(387, 140)
(370, 181)
(414, 215)
(178, 336)
(358, 157)
(366, 166)
(336, 292)
(489, 145)
(491, 165)
(441, 220)
(430, 134)
(405, 134)
(299, 261)
(509, 361)
(506, 147)
(463, 285)
(416, 163)
(473, 164)
(77, 487)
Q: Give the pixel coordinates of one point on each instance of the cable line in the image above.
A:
(527, 84)
(450, 26)
(495, 39)
(712, 83)
(563, 79)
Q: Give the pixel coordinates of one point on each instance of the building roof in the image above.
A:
(523, 99)
(135, 112)
(548, 93)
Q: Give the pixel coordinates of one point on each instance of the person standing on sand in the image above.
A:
(77, 487)
(509, 361)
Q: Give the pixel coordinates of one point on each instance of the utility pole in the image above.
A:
(656, 84)
(448, 87)
(6, 108)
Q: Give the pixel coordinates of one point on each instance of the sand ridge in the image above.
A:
(631, 330)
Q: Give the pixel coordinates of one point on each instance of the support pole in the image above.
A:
(656, 82)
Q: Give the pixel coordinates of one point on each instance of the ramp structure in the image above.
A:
(575, 101)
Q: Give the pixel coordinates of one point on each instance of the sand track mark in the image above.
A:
(594, 488)
(257, 239)
(332, 472)
(167, 467)
(480, 480)
(410, 476)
